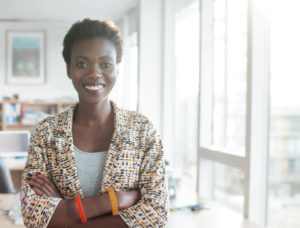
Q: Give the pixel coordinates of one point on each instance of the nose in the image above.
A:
(95, 70)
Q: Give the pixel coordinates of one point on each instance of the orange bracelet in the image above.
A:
(113, 201)
(80, 209)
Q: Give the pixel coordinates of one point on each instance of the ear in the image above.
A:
(68, 70)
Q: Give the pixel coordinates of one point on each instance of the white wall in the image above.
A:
(57, 84)
(66, 10)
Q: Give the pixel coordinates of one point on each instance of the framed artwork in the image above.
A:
(25, 57)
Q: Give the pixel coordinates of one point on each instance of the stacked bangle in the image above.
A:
(113, 201)
(80, 209)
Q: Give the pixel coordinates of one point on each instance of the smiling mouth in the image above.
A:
(94, 87)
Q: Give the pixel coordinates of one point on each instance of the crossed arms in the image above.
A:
(66, 214)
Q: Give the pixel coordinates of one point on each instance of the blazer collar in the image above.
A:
(120, 123)
(119, 139)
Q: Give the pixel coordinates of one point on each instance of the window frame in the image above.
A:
(255, 161)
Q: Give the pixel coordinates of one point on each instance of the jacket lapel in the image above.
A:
(120, 136)
(69, 184)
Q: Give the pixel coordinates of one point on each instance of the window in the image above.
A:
(223, 101)
(133, 71)
(284, 158)
(180, 88)
(225, 83)
(228, 186)
(125, 91)
(249, 116)
(186, 90)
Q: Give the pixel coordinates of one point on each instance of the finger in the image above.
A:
(33, 181)
(44, 187)
(48, 180)
(28, 181)
(36, 190)
(44, 190)
(39, 192)
(50, 185)
(40, 187)
(34, 184)
(46, 183)
(41, 183)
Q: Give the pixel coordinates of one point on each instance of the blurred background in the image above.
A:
(218, 78)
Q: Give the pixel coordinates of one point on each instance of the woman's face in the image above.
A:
(93, 69)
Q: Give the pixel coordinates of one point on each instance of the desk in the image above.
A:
(216, 217)
(7, 201)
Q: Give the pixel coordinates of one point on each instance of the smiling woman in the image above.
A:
(78, 156)
(91, 59)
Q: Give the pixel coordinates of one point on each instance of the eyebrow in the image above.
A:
(86, 58)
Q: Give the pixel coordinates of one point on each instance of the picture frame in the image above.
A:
(25, 58)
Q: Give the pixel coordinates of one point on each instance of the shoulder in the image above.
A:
(134, 119)
(54, 122)
(139, 127)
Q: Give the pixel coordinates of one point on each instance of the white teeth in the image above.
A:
(97, 87)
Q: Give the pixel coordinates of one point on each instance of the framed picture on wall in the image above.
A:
(25, 57)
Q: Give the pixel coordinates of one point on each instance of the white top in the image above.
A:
(90, 166)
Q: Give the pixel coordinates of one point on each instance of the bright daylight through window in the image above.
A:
(284, 158)
(186, 90)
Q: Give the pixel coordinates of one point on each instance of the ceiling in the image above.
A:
(63, 10)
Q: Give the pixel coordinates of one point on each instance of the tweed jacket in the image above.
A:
(135, 160)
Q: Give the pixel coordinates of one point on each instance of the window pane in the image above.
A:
(284, 163)
(223, 184)
(125, 89)
(228, 186)
(229, 76)
(133, 75)
(186, 91)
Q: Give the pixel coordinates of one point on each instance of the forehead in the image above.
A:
(94, 48)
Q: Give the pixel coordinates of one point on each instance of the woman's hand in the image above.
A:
(42, 186)
(127, 199)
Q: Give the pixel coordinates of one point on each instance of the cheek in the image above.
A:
(113, 80)
(112, 77)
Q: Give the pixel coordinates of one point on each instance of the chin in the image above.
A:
(93, 100)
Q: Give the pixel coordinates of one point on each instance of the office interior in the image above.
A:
(218, 78)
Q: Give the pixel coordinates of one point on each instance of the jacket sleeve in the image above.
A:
(36, 210)
(152, 210)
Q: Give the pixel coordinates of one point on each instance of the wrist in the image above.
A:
(119, 197)
(105, 201)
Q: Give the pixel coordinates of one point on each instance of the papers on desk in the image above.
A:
(15, 214)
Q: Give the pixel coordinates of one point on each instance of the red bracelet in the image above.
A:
(80, 209)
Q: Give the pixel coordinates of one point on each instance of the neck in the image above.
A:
(92, 114)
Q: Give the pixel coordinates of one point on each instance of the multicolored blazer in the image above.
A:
(135, 160)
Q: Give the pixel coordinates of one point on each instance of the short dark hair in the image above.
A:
(89, 29)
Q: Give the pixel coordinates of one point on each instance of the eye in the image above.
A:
(106, 65)
(81, 64)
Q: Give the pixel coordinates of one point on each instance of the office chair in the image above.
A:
(12, 144)
(6, 185)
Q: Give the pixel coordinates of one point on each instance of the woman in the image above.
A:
(94, 146)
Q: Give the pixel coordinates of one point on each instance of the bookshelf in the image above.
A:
(24, 115)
